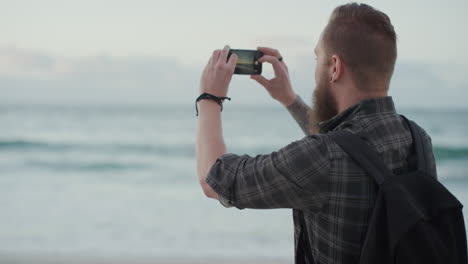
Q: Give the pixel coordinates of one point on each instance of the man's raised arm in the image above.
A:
(280, 89)
(210, 142)
(302, 114)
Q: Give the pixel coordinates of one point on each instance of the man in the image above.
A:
(331, 196)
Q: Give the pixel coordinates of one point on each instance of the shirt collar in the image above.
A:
(364, 107)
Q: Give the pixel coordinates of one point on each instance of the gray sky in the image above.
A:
(57, 51)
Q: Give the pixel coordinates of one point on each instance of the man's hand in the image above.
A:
(280, 86)
(218, 73)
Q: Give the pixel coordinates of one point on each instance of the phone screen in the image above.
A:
(247, 61)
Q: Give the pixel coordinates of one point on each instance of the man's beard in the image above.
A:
(324, 104)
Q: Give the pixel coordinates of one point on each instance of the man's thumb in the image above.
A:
(260, 79)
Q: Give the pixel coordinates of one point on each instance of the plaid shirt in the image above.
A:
(331, 196)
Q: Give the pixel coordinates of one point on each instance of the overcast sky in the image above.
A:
(153, 52)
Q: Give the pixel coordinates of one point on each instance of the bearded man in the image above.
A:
(331, 197)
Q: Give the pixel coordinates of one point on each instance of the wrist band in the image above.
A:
(218, 100)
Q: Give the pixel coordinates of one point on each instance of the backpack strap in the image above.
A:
(369, 159)
(362, 153)
(419, 147)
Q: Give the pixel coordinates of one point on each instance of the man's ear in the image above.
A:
(336, 68)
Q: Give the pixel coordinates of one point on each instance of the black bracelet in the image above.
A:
(218, 100)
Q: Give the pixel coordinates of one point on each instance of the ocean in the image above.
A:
(119, 181)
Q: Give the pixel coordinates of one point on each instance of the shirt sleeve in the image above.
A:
(295, 176)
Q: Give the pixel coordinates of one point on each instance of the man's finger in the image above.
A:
(211, 58)
(223, 55)
(215, 56)
(277, 68)
(260, 79)
(269, 51)
(232, 62)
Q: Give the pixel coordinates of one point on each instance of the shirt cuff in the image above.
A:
(221, 178)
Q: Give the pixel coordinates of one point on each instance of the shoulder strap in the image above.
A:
(370, 160)
(363, 154)
(419, 147)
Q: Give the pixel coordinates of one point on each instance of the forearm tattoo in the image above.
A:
(301, 113)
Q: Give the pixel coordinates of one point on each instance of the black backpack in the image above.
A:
(415, 218)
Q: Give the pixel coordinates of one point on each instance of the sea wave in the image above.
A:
(179, 149)
(450, 153)
(87, 165)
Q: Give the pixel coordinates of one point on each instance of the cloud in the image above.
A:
(27, 76)
(17, 62)
(37, 77)
(417, 84)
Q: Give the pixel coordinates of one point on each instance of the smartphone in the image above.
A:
(247, 61)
